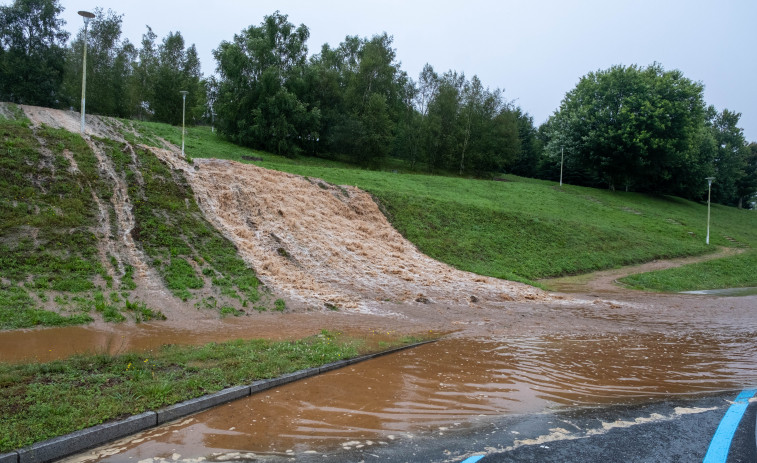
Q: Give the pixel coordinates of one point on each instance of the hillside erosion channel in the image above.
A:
(508, 349)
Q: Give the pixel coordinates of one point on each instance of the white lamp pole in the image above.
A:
(709, 189)
(87, 16)
(562, 158)
(183, 111)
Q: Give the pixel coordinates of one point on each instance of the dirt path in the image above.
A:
(605, 281)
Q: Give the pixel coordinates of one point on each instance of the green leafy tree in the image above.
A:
(32, 45)
(632, 127)
(260, 73)
(526, 163)
(732, 170)
(177, 68)
(367, 97)
(141, 89)
(109, 67)
(747, 188)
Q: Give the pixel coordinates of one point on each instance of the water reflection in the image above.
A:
(442, 385)
(734, 292)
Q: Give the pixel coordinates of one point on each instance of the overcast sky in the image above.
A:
(535, 50)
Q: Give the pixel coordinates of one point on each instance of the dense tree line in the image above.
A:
(628, 127)
(354, 100)
(37, 67)
(648, 130)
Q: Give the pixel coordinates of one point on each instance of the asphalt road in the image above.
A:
(663, 431)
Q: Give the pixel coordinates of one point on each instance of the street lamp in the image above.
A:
(562, 158)
(87, 16)
(183, 111)
(709, 189)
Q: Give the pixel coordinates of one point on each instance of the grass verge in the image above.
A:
(40, 401)
(731, 272)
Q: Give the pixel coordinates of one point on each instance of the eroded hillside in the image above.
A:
(318, 246)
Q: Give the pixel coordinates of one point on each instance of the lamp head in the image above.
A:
(86, 15)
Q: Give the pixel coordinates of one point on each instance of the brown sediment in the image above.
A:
(324, 244)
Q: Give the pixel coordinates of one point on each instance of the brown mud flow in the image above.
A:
(448, 384)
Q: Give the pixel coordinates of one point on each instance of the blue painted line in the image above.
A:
(721, 441)
(473, 459)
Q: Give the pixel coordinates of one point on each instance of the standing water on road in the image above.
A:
(449, 384)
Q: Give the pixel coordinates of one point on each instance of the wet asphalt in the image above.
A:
(662, 431)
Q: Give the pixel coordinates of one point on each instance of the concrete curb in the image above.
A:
(58, 447)
(79, 441)
(199, 404)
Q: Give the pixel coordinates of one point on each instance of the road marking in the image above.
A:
(473, 459)
(721, 441)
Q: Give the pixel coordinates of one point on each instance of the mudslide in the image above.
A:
(321, 246)
(325, 245)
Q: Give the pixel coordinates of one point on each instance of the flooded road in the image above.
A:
(593, 348)
(448, 385)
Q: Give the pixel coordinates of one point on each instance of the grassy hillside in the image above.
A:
(62, 233)
(59, 266)
(525, 229)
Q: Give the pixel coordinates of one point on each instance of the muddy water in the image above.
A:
(735, 292)
(46, 344)
(452, 383)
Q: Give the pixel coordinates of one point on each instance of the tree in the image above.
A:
(632, 127)
(109, 67)
(730, 159)
(747, 188)
(177, 69)
(141, 89)
(260, 73)
(526, 162)
(31, 52)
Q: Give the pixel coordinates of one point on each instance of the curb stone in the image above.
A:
(191, 406)
(58, 447)
(79, 441)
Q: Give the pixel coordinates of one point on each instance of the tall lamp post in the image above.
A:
(87, 16)
(183, 111)
(709, 190)
(562, 158)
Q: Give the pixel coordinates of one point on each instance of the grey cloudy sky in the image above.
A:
(535, 50)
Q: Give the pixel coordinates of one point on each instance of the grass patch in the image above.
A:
(730, 272)
(40, 401)
(18, 310)
(173, 232)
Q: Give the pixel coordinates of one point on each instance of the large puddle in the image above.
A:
(733, 292)
(45, 344)
(449, 384)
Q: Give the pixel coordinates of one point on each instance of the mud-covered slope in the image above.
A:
(321, 246)
(327, 245)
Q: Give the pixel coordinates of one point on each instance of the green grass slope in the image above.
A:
(58, 265)
(525, 229)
